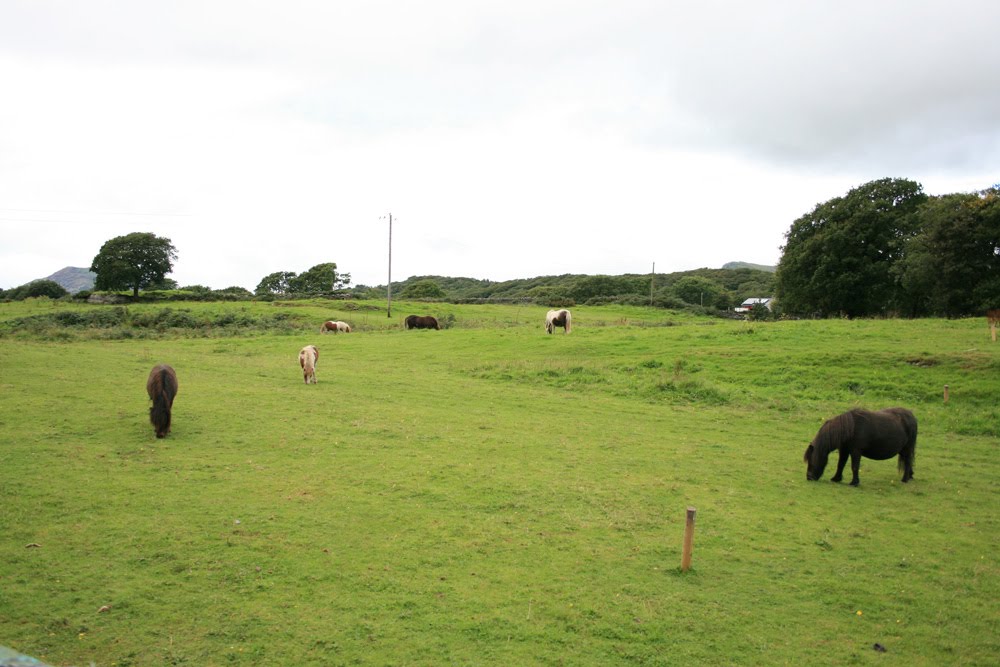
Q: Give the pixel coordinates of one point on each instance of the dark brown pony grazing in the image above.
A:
(162, 388)
(856, 433)
(421, 322)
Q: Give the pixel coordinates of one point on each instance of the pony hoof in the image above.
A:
(836, 479)
(855, 483)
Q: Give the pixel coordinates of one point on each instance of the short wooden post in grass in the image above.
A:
(688, 540)
(946, 393)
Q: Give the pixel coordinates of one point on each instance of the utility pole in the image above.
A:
(388, 307)
(652, 278)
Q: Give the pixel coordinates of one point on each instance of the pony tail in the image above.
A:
(910, 424)
(569, 322)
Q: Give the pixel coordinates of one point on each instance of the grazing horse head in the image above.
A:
(162, 388)
(858, 432)
(558, 318)
(308, 356)
(336, 326)
(421, 322)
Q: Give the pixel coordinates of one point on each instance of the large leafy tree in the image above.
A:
(839, 258)
(134, 261)
(275, 284)
(320, 279)
(952, 267)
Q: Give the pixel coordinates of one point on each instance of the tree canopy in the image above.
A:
(134, 261)
(320, 279)
(423, 289)
(839, 258)
(887, 247)
(35, 288)
(952, 266)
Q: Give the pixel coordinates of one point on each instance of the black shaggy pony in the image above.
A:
(161, 387)
(856, 433)
(421, 322)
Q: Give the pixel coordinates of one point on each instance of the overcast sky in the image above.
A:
(508, 139)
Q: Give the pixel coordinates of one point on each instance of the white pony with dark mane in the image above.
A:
(558, 318)
(336, 326)
(308, 356)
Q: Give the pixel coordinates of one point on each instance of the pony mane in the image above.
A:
(831, 434)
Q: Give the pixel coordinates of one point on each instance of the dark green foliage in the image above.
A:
(885, 247)
(723, 288)
(701, 291)
(134, 261)
(320, 279)
(422, 289)
(839, 258)
(952, 266)
(275, 284)
(36, 288)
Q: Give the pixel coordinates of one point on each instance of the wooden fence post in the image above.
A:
(946, 393)
(688, 540)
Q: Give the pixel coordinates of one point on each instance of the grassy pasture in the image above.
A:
(489, 494)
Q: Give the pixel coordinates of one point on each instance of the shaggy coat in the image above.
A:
(308, 356)
(162, 388)
(336, 326)
(421, 322)
(856, 433)
(558, 318)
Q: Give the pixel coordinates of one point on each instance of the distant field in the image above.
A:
(489, 494)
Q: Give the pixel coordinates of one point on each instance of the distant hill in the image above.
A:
(748, 265)
(73, 279)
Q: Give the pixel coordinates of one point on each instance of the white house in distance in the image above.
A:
(753, 302)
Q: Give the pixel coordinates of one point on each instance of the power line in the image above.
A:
(49, 210)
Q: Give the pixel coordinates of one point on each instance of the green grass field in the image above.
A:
(489, 494)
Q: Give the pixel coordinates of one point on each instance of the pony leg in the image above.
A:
(855, 467)
(841, 462)
(906, 463)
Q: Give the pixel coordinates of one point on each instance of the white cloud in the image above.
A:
(509, 140)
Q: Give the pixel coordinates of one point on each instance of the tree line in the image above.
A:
(710, 289)
(887, 248)
(884, 248)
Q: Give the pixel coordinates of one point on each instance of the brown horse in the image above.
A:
(421, 322)
(858, 432)
(336, 326)
(162, 388)
(308, 356)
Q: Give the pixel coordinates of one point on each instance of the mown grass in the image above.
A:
(489, 494)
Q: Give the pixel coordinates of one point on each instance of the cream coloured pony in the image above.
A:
(558, 318)
(308, 356)
(335, 326)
